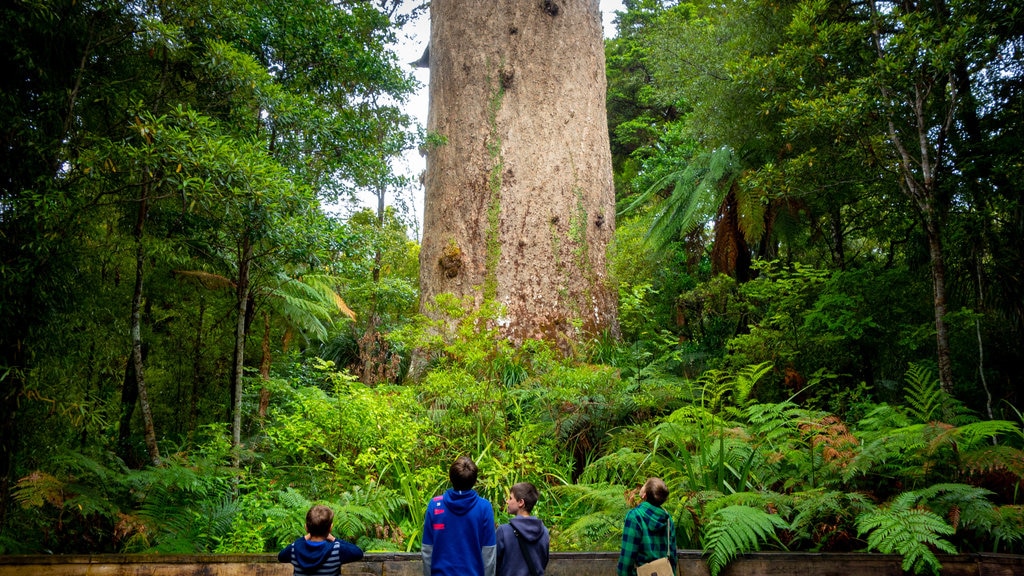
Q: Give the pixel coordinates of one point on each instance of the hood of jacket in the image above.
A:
(531, 527)
(459, 502)
(309, 555)
(655, 517)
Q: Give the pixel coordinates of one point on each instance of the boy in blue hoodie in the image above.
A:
(319, 553)
(523, 543)
(458, 528)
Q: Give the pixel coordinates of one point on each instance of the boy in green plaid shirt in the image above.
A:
(648, 533)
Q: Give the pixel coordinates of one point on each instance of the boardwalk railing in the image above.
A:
(690, 563)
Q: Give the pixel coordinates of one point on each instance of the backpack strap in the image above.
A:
(522, 550)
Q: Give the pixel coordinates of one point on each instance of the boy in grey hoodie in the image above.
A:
(319, 553)
(523, 542)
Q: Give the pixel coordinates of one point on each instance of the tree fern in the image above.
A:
(735, 530)
(697, 191)
(911, 532)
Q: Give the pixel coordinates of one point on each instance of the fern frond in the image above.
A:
(831, 509)
(962, 504)
(923, 395)
(1009, 530)
(911, 532)
(882, 418)
(735, 530)
(976, 433)
(776, 423)
(598, 509)
(207, 280)
(619, 467)
(697, 191)
(991, 458)
(745, 380)
(889, 454)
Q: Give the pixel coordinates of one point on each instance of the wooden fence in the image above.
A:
(690, 563)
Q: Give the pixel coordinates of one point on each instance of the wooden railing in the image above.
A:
(690, 563)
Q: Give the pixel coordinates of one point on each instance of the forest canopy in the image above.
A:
(817, 257)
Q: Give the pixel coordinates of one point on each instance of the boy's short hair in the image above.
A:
(655, 490)
(463, 473)
(319, 520)
(527, 493)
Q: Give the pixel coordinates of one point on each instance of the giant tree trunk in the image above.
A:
(520, 203)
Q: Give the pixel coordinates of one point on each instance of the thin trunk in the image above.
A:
(981, 347)
(197, 356)
(920, 171)
(838, 239)
(244, 261)
(377, 256)
(10, 395)
(129, 397)
(938, 265)
(265, 367)
(136, 334)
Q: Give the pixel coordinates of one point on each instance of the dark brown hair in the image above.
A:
(527, 493)
(463, 473)
(319, 520)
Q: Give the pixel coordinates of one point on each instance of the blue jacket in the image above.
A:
(458, 535)
(536, 542)
(319, 558)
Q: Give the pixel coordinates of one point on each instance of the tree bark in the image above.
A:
(520, 203)
(242, 293)
(938, 265)
(149, 429)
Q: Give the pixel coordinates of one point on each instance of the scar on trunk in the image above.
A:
(451, 259)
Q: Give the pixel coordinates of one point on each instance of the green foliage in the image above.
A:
(910, 532)
(735, 530)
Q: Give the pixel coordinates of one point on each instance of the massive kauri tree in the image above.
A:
(519, 193)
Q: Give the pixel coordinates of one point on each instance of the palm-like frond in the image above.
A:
(697, 191)
(309, 303)
(207, 280)
(735, 530)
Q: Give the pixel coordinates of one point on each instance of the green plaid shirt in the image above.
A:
(644, 538)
